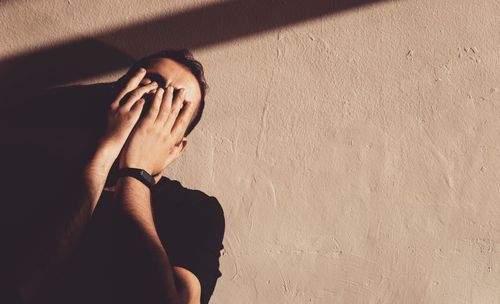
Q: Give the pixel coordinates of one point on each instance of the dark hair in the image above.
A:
(184, 57)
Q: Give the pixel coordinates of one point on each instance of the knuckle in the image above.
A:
(135, 95)
(158, 131)
(129, 117)
(182, 120)
(166, 138)
(155, 107)
(154, 130)
(142, 90)
(165, 108)
(139, 91)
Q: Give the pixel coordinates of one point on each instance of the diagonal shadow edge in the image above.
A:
(193, 29)
(223, 22)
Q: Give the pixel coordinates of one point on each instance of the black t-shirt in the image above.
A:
(191, 227)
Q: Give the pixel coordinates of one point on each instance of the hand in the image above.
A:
(124, 113)
(158, 139)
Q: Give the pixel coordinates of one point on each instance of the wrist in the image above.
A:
(102, 160)
(137, 165)
(140, 174)
(130, 180)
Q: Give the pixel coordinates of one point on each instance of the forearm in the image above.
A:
(75, 217)
(35, 272)
(149, 268)
(95, 174)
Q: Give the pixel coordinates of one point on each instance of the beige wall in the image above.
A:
(356, 155)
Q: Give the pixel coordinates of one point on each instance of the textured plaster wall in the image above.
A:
(356, 155)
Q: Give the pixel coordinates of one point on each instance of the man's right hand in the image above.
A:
(123, 113)
(159, 137)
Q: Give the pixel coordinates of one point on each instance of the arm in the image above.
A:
(155, 143)
(34, 275)
(201, 223)
(148, 268)
(36, 270)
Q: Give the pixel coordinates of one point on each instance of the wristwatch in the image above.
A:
(139, 174)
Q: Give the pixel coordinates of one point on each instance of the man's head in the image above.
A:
(179, 69)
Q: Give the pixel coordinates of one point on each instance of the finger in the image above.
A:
(131, 84)
(176, 108)
(137, 107)
(166, 105)
(137, 94)
(178, 148)
(155, 106)
(145, 81)
(182, 143)
(134, 81)
(183, 120)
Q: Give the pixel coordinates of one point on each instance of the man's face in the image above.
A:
(168, 72)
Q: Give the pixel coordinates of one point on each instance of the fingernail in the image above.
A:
(142, 70)
(160, 90)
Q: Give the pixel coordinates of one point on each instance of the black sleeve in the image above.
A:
(8, 293)
(200, 249)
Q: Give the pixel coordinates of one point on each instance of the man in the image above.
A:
(113, 236)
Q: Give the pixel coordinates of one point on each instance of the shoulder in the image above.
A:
(174, 191)
(191, 226)
(171, 194)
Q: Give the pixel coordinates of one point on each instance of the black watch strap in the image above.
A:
(139, 174)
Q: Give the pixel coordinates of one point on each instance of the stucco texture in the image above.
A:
(355, 152)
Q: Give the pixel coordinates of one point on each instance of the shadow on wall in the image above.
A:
(48, 133)
(200, 27)
(56, 123)
(46, 136)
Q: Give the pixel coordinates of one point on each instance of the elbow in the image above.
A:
(188, 286)
(189, 296)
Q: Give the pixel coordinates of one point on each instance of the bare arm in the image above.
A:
(148, 267)
(36, 270)
(153, 145)
(34, 275)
